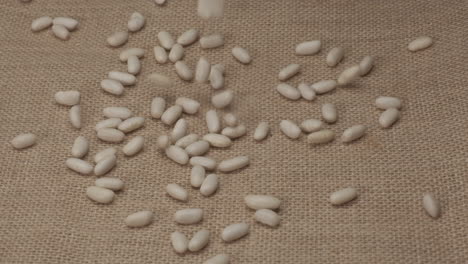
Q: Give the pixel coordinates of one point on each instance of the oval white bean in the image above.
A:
(110, 135)
(211, 41)
(160, 2)
(165, 40)
(188, 216)
(22, 141)
(220, 67)
(189, 106)
(117, 112)
(177, 192)
(353, 133)
(321, 137)
(160, 54)
(80, 166)
(218, 259)
(61, 32)
(136, 22)
(290, 129)
(68, 22)
(386, 102)
(308, 48)
(80, 147)
(234, 132)
(68, 98)
(122, 77)
(222, 99)
(205, 162)
(99, 194)
(113, 184)
(133, 65)
(183, 70)
(108, 123)
(158, 105)
(134, 146)
(163, 142)
(41, 23)
(324, 86)
(197, 176)
(267, 217)
(233, 164)
(257, 202)
(131, 124)
(288, 91)
(210, 9)
(235, 231)
(216, 78)
(242, 55)
(420, 43)
(389, 117)
(187, 140)
(171, 115)
(289, 71)
(349, 75)
(180, 130)
(104, 153)
(230, 120)
(306, 91)
(117, 39)
(202, 71)
(199, 240)
(197, 148)
(209, 185)
(112, 86)
(335, 56)
(212, 121)
(179, 242)
(75, 116)
(139, 52)
(262, 131)
(188, 37)
(176, 53)
(139, 219)
(105, 165)
(431, 205)
(217, 140)
(311, 125)
(329, 113)
(343, 196)
(365, 66)
(177, 154)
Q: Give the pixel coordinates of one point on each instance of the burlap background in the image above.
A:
(46, 217)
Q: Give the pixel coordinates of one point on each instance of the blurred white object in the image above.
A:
(210, 8)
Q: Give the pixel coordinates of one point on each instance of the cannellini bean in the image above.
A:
(199, 240)
(61, 32)
(353, 133)
(343, 196)
(117, 39)
(288, 91)
(306, 91)
(177, 53)
(177, 192)
(158, 105)
(210, 185)
(217, 140)
(187, 140)
(222, 99)
(188, 216)
(189, 106)
(230, 120)
(165, 40)
(311, 125)
(349, 75)
(113, 184)
(133, 65)
(321, 137)
(117, 112)
(267, 217)
(136, 22)
(211, 41)
(68, 98)
(197, 148)
(80, 166)
(431, 205)
(202, 72)
(242, 55)
(262, 131)
(188, 37)
(308, 48)
(108, 123)
(289, 71)
(205, 162)
(329, 113)
(234, 132)
(335, 56)
(212, 121)
(160, 2)
(324, 86)
(112, 86)
(160, 54)
(105, 165)
(177, 154)
(233, 164)
(131, 124)
(139, 219)
(290, 129)
(75, 116)
(99, 194)
(22, 141)
(218, 259)
(180, 130)
(235, 231)
(220, 67)
(139, 52)
(68, 22)
(183, 70)
(216, 78)
(122, 77)
(386, 102)
(209, 8)
(41, 23)
(110, 135)
(163, 142)
(197, 176)
(365, 66)
(389, 117)
(420, 43)
(179, 242)
(80, 147)
(134, 146)
(104, 153)
(257, 202)
(171, 115)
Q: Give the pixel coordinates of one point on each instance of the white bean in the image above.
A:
(61, 32)
(133, 65)
(80, 147)
(108, 123)
(289, 71)
(99, 194)
(131, 124)
(349, 75)
(311, 125)
(134, 146)
(68, 98)
(67, 22)
(353, 133)
(177, 154)
(117, 112)
(112, 86)
(197, 176)
(160, 2)
(183, 70)
(187, 140)
(365, 66)
(267, 217)
(110, 135)
(158, 105)
(235, 231)
(230, 120)
(308, 48)
(202, 71)
(189, 106)
(199, 240)
(104, 153)
(306, 91)
(257, 202)
(242, 55)
(188, 216)
(222, 99)
(217, 140)
(386, 102)
(177, 53)
(136, 22)
(211, 41)
(105, 165)
(163, 142)
(160, 54)
(233, 164)
(209, 185)
(212, 121)
(205, 162)
(80, 166)
(389, 117)
(180, 129)
(22, 141)
(75, 116)
(234, 132)
(218, 259)
(122, 77)
(139, 219)
(165, 40)
(117, 39)
(177, 192)
(216, 78)
(171, 115)
(324, 86)
(431, 205)
(41, 23)
(179, 242)
(420, 43)
(188, 37)
(197, 148)
(290, 129)
(139, 52)
(343, 196)
(209, 8)
(321, 137)
(220, 67)
(329, 113)
(113, 184)
(288, 91)
(335, 56)
(262, 131)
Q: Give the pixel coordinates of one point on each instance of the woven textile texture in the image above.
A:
(47, 218)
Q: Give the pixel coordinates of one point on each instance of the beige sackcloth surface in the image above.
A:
(47, 218)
